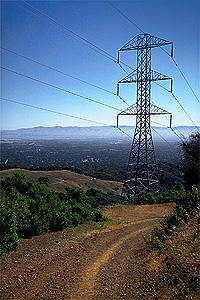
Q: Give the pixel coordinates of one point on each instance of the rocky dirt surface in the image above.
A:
(91, 261)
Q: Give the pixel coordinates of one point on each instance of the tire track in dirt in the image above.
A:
(85, 288)
(94, 266)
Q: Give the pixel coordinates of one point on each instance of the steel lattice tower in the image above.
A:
(141, 173)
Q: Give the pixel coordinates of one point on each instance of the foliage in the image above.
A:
(176, 243)
(28, 209)
(191, 159)
(97, 198)
(44, 180)
(173, 270)
(187, 204)
(8, 226)
(169, 196)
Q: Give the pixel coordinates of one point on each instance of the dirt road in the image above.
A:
(88, 262)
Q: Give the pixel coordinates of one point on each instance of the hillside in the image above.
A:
(90, 132)
(62, 178)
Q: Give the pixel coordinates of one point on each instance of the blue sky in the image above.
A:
(99, 23)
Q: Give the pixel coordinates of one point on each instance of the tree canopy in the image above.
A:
(191, 160)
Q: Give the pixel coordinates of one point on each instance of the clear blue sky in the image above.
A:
(99, 23)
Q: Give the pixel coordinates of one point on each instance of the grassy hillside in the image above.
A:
(173, 271)
(65, 178)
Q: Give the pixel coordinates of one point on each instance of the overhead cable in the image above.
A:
(61, 89)
(125, 16)
(161, 136)
(93, 45)
(58, 71)
(186, 80)
(170, 55)
(72, 32)
(178, 103)
(184, 110)
(63, 73)
(52, 111)
(81, 39)
(174, 127)
(60, 113)
(109, 57)
(124, 132)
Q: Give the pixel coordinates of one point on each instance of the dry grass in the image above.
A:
(59, 179)
(174, 270)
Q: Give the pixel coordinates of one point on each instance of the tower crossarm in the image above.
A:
(154, 76)
(133, 110)
(133, 77)
(143, 41)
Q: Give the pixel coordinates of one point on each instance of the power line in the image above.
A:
(133, 23)
(186, 80)
(177, 134)
(86, 98)
(61, 89)
(176, 64)
(63, 73)
(183, 137)
(68, 115)
(104, 53)
(184, 110)
(63, 114)
(109, 57)
(161, 136)
(162, 86)
(124, 132)
(171, 128)
(58, 71)
(125, 16)
(80, 37)
(178, 103)
(159, 124)
(53, 111)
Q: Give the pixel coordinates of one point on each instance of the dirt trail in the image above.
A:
(85, 262)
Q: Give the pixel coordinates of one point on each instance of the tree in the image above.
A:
(191, 160)
(17, 181)
(44, 180)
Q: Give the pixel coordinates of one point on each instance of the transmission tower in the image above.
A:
(141, 173)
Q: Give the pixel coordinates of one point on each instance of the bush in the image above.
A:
(8, 227)
(169, 196)
(187, 204)
(98, 215)
(97, 198)
(191, 160)
(28, 210)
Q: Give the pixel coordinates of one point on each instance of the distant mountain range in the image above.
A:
(92, 132)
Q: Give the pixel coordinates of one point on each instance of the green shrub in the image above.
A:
(29, 210)
(187, 203)
(44, 180)
(98, 215)
(8, 227)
